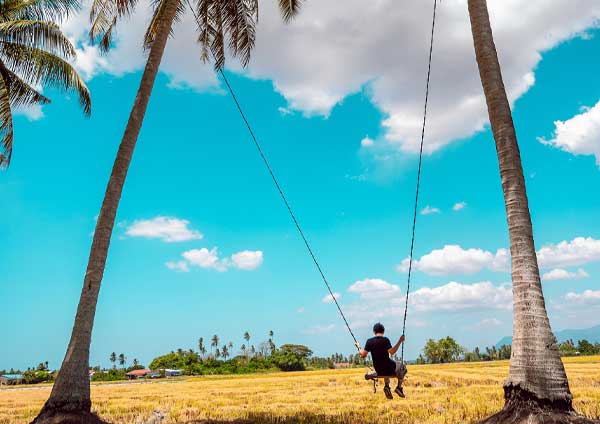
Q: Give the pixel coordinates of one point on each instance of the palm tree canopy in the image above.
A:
(33, 53)
(222, 24)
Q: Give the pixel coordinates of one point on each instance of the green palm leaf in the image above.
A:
(41, 34)
(42, 10)
(6, 124)
(289, 8)
(40, 67)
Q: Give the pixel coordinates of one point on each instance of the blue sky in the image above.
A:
(346, 161)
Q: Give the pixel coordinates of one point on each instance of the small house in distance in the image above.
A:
(135, 374)
(173, 373)
(10, 379)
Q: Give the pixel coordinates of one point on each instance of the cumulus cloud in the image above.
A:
(585, 298)
(374, 288)
(247, 259)
(329, 298)
(343, 43)
(204, 258)
(165, 228)
(453, 259)
(563, 274)
(459, 206)
(428, 210)
(579, 135)
(579, 251)
(456, 296)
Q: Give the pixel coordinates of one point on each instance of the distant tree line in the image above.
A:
(448, 350)
(583, 347)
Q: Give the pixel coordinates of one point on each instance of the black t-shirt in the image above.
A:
(378, 347)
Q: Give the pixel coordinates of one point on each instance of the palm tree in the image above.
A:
(220, 24)
(537, 383)
(136, 362)
(33, 52)
(224, 352)
(122, 359)
(113, 359)
(214, 342)
(247, 338)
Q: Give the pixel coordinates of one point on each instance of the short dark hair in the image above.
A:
(378, 328)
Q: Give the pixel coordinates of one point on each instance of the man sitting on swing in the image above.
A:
(381, 348)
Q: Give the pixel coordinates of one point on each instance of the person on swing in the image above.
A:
(381, 348)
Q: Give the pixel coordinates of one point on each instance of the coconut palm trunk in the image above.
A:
(70, 397)
(537, 383)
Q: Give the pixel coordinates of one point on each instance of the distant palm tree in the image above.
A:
(217, 353)
(537, 385)
(224, 352)
(122, 359)
(243, 349)
(221, 25)
(33, 52)
(201, 347)
(113, 359)
(247, 338)
(214, 342)
(135, 362)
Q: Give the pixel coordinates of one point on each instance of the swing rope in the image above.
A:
(414, 225)
(280, 190)
(289, 208)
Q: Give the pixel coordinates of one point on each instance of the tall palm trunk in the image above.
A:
(537, 380)
(71, 392)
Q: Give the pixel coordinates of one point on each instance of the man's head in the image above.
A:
(378, 328)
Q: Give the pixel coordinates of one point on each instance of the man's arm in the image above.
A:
(363, 353)
(394, 348)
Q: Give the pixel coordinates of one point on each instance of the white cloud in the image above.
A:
(579, 135)
(343, 43)
(300, 310)
(181, 266)
(578, 251)
(455, 296)
(320, 329)
(374, 288)
(329, 298)
(453, 259)
(367, 142)
(563, 274)
(204, 258)
(166, 228)
(459, 206)
(247, 259)
(585, 298)
(428, 210)
(487, 323)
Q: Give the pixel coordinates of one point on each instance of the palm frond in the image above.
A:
(104, 15)
(41, 10)
(41, 34)
(6, 125)
(20, 92)
(231, 20)
(289, 8)
(37, 66)
(157, 16)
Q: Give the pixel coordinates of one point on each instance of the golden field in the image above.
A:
(454, 393)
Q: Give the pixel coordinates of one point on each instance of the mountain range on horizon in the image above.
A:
(591, 334)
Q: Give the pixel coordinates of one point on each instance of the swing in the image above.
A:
(372, 374)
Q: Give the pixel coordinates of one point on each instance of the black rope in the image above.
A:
(414, 225)
(280, 190)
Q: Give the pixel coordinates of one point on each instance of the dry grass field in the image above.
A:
(456, 393)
